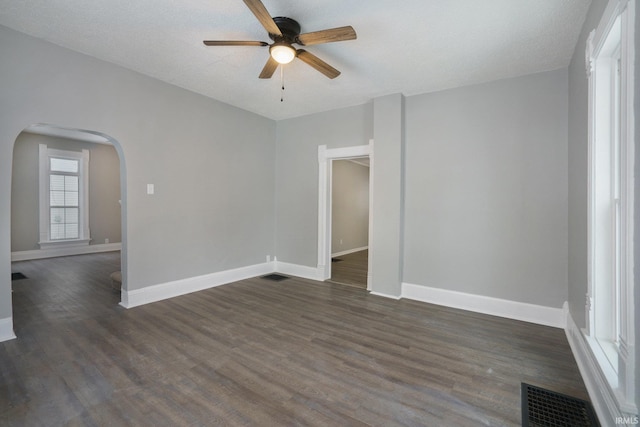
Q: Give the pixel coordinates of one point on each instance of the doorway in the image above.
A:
(326, 159)
(35, 231)
(350, 221)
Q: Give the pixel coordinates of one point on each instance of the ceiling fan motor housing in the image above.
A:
(289, 27)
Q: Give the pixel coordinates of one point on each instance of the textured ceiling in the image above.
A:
(409, 47)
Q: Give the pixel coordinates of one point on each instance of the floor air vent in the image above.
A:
(17, 276)
(547, 408)
(275, 277)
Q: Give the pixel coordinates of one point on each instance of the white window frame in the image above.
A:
(45, 154)
(610, 297)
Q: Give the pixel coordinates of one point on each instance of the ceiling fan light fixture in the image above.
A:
(285, 32)
(282, 53)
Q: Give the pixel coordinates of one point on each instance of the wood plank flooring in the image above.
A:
(262, 353)
(351, 269)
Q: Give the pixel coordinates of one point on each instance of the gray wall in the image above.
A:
(486, 189)
(350, 206)
(484, 179)
(386, 242)
(104, 190)
(212, 164)
(297, 174)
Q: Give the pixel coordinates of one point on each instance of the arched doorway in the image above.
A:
(34, 232)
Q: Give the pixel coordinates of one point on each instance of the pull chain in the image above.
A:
(282, 83)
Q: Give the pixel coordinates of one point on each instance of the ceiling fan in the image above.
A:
(285, 32)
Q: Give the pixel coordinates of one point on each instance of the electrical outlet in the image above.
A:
(106, 240)
(268, 258)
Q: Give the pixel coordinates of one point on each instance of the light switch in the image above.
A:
(150, 189)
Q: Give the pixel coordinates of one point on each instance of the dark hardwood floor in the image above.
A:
(262, 353)
(351, 269)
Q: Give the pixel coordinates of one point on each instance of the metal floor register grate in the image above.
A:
(547, 408)
(275, 277)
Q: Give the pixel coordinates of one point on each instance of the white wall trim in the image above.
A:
(299, 270)
(370, 258)
(64, 243)
(180, 287)
(547, 316)
(6, 329)
(380, 294)
(325, 158)
(618, 329)
(64, 251)
(349, 251)
(602, 397)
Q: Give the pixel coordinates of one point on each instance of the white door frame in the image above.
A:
(325, 158)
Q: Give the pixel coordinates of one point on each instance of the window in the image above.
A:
(610, 329)
(63, 197)
(606, 215)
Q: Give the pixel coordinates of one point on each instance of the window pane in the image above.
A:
(64, 165)
(57, 215)
(56, 183)
(64, 223)
(70, 183)
(57, 198)
(71, 231)
(57, 231)
(70, 199)
(71, 215)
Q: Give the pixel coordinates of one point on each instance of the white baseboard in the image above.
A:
(380, 294)
(602, 397)
(176, 288)
(547, 316)
(6, 329)
(298, 270)
(349, 251)
(64, 251)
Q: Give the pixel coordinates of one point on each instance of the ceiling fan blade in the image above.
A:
(263, 16)
(328, 36)
(233, 43)
(269, 68)
(318, 64)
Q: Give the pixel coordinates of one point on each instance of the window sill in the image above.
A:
(63, 243)
(602, 351)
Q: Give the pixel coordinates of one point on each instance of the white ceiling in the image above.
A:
(409, 47)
